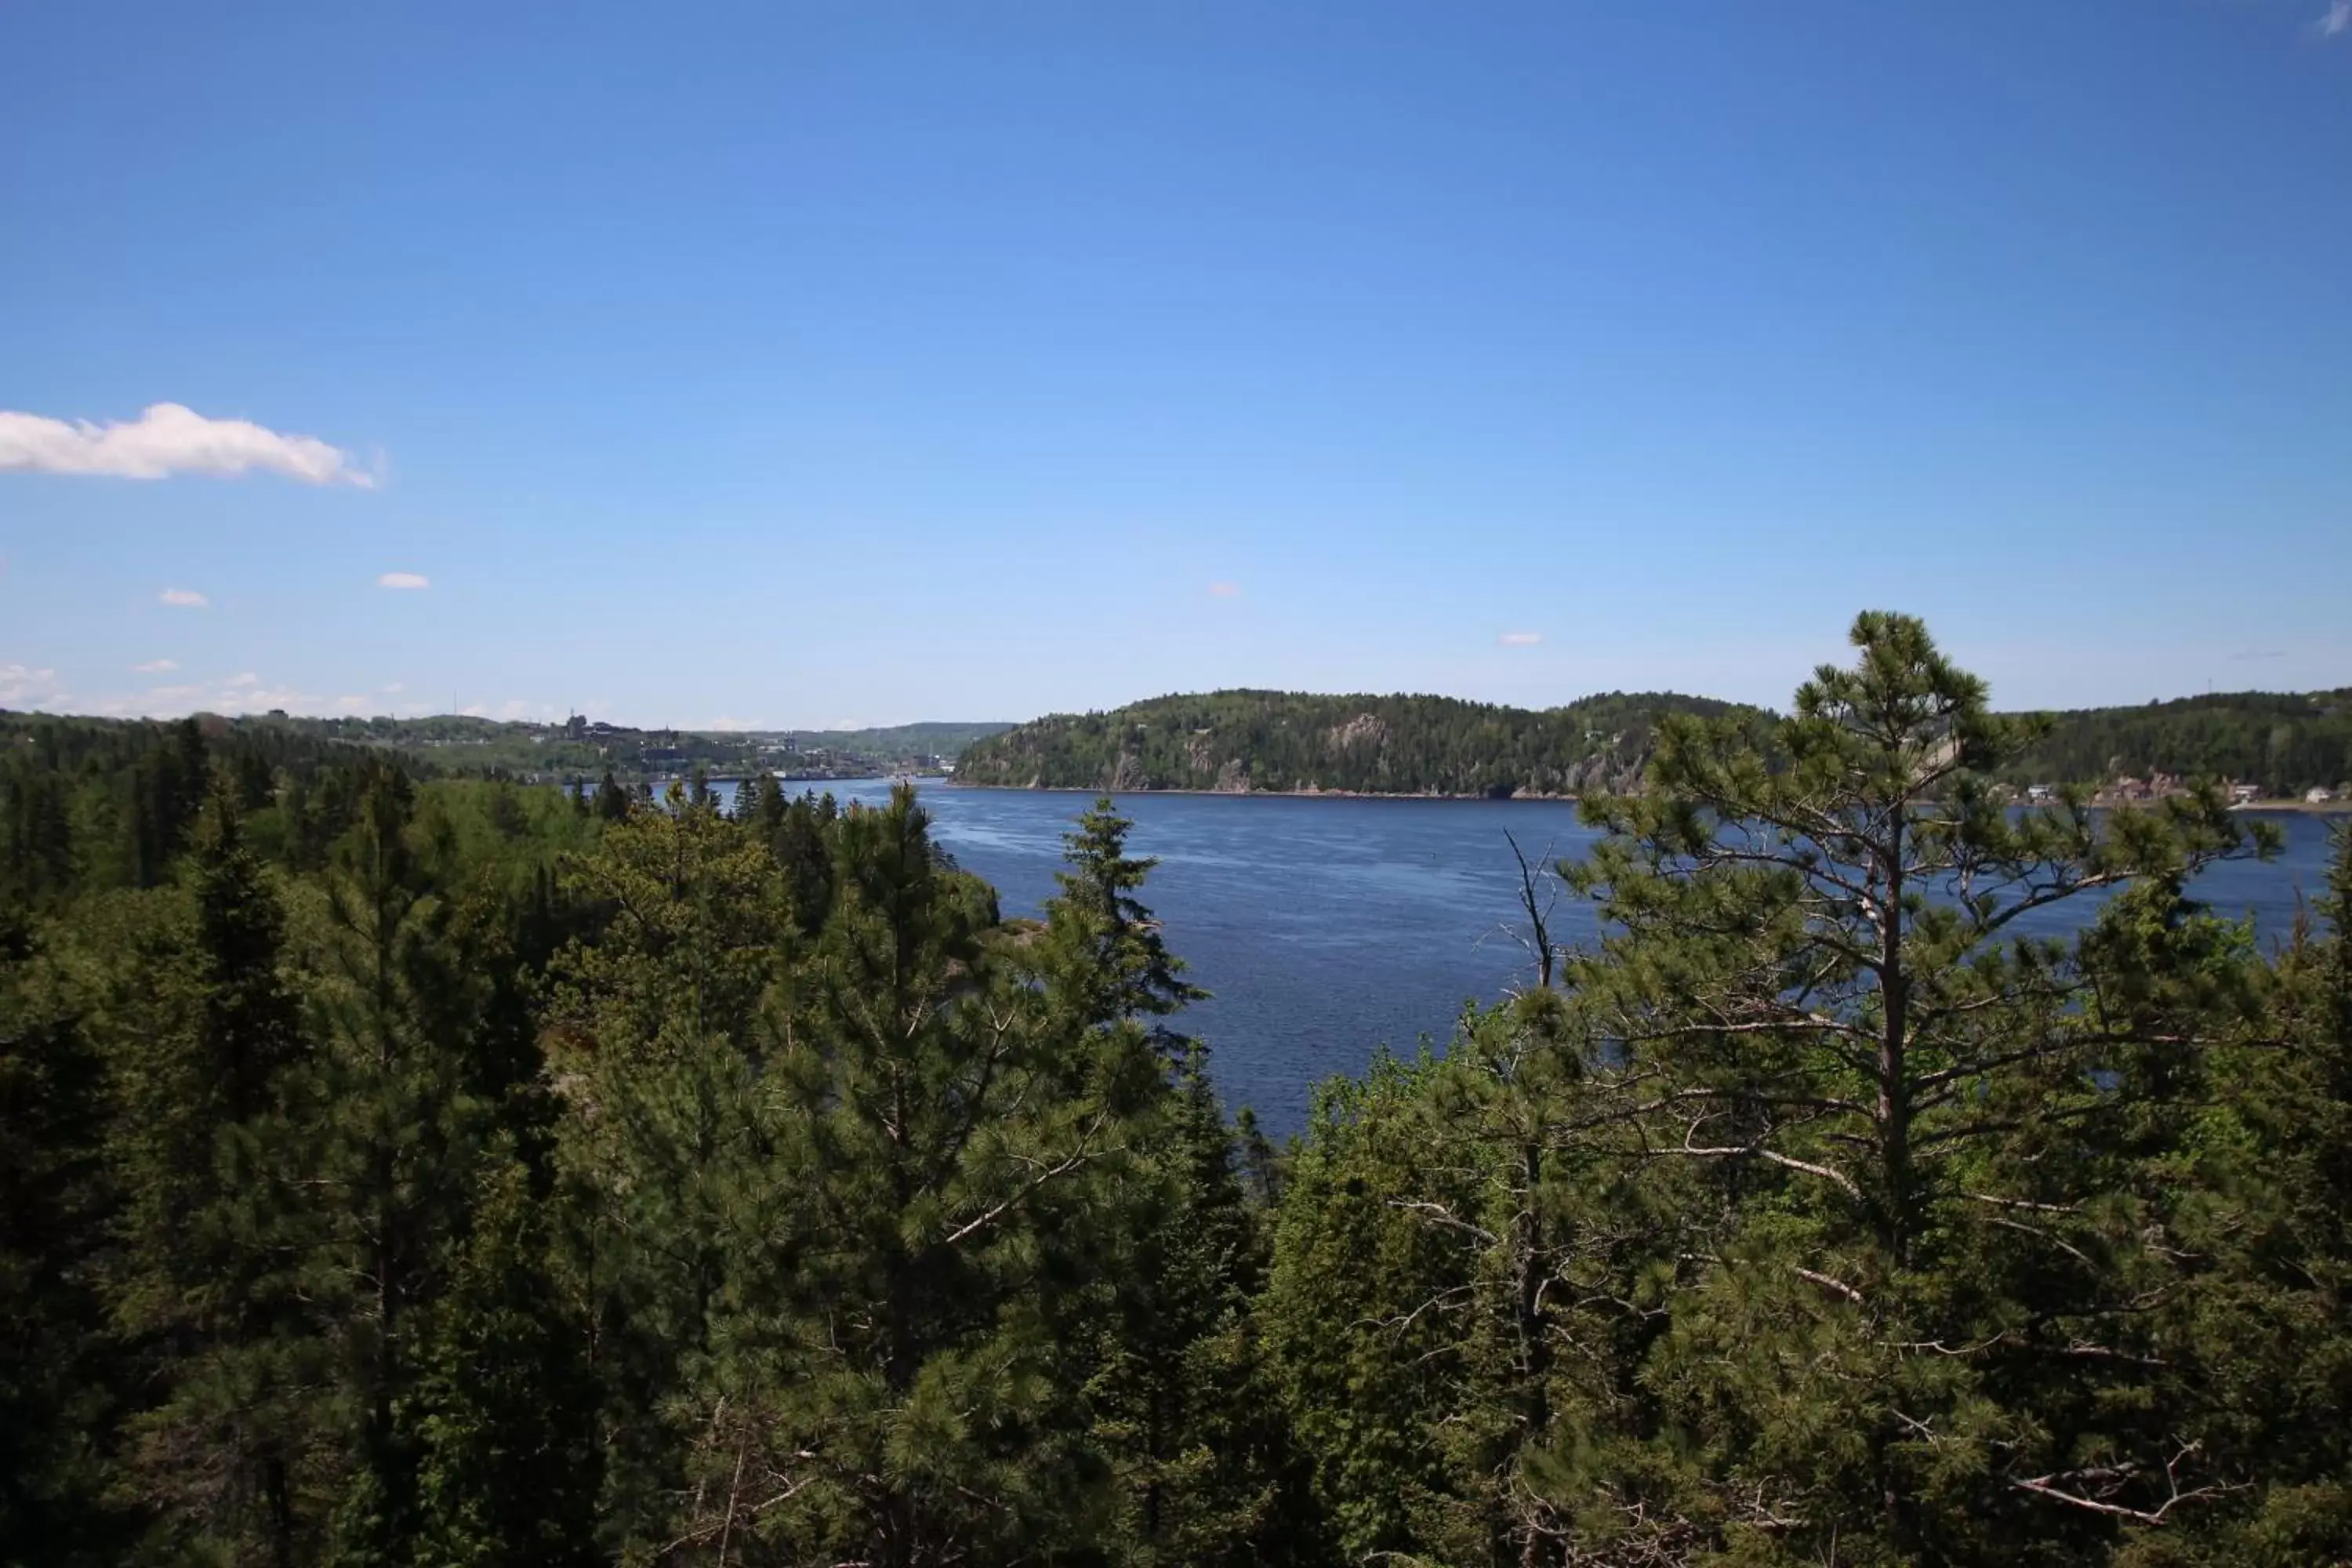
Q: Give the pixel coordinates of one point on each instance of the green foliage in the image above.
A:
(1378, 745)
(2284, 742)
(54, 1369)
(399, 1169)
(1230, 741)
(215, 1277)
(510, 1466)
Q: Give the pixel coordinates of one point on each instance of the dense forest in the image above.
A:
(443, 1171)
(2284, 745)
(577, 749)
(1382, 746)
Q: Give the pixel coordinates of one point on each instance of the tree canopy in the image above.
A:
(436, 1170)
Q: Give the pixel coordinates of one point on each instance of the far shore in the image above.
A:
(2308, 807)
(954, 782)
(2305, 808)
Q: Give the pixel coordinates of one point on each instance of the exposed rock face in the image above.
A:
(1363, 733)
(1234, 777)
(1126, 773)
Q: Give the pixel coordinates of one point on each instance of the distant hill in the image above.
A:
(930, 738)
(548, 754)
(1238, 741)
(2283, 744)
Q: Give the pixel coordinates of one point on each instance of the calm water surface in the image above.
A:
(1327, 927)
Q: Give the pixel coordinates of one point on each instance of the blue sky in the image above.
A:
(819, 364)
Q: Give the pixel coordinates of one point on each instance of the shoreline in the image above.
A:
(1264, 794)
(2298, 807)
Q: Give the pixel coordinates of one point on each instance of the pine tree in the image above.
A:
(509, 1469)
(400, 1140)
(2256, 1187)
(216, 1279)
(1818, 988)
(56, 1371)
(658, 1025)
(611, 800)
(1112, 955)
(942, 1151)
(802, 845)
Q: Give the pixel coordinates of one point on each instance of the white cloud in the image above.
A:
(244, 692)
(403, 580)
(1520, 639)
(1224, 590)
(395, 686)
(514, 708)
(21, 685)
(185, 598)
(725, 723)
(472, 710)
(166, 439)
(2339, 19)
(155, 666)
(353, 703)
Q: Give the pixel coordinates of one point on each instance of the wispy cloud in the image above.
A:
(155, 666)
(1224, 590)
(21, 685)
(2336, 20)
(1520, 639)
(244, 692)
(183, 598)
(168, 438)
(404, 580)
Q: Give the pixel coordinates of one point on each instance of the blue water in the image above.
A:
(1326, 928)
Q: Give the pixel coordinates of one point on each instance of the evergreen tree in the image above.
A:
(2256, 1180)
(400, 1139)
(947, 1156)
(611, 800)
(1182, 1401)
(658, 1028)
(1818, 987)
(1110, 954)
(55, 1370)
(761, 803)
(510, 1466)
(215, 1278)
(802, 845)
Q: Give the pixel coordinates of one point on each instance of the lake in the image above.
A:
(1328, 926)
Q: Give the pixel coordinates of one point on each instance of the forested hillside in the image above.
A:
(448, 1172)
(2284, 742)
(1292, 740)
(927, 738)
(576, 751)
